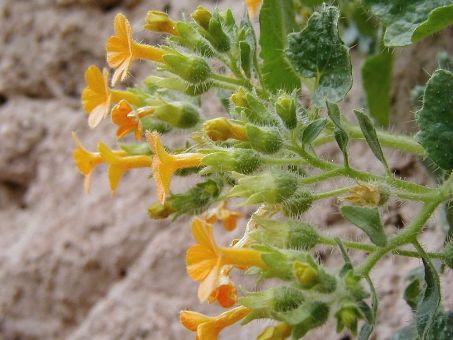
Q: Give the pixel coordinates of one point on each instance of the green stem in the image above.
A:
(284, 161)
(224, 86)
(226, 79)
(332, 193)
(398, 142)
(371, 248)
(324, 176)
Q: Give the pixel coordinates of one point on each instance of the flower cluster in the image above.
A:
(262, 154)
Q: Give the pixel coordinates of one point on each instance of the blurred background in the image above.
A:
(92, 266)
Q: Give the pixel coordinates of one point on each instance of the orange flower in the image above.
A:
(252, 6)
(123, 116)
(164, 164)
(209, 327)
(205, 260)
(122, 49)
(225, 292)
(222, 213)
(119, 164)
(97, 97)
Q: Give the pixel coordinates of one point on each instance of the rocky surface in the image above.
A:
(93, 266)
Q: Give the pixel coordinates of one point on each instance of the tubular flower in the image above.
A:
(97, 97)
(158, 21)
(122, 49)
(205, 260)
(277, 332)
(124, 116)
(119, 164)
(208, 327)
(222, 213)
(252, 6)
(225, 292)
(164, 164)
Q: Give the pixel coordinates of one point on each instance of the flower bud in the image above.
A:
(268, 187)
(278, 332)
(177, 114)
(286, 109)
(151, 124)
(160, 211)
(191, 38)
(217, 36)
(202, 17)
(158, 21)
(306, 275)
(348, 316)
(290, 234)
(266, 140)
(352, 282)
(307, 317)
(298, 203)
(190, 68)
(243, 161)
(239, 98)
(220, 129)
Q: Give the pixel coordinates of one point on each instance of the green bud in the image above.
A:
(197, 89)
(269, 187)
(306, 317)
(197, 199)
(177, 114)
(217, 36)
(191, 38)
(160, 211)
(266, 140)
(244, 161)
(265, 304)
(298, 203)
(286, 109)
(279, 332)
(348, 316)
(306, 275)
(202, 17)
(151, 124)
(190, 68)
(352, 282)
(290, 234)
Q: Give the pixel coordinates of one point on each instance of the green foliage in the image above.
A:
(408, 21)
(313, 130)
(435, 119)
(368, 220)
(318, 52)
(276, 22)
(377, 83)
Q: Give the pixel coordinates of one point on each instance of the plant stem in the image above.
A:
(332, 193)
(284, 161)
(229, 80)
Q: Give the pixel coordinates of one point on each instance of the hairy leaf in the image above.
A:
(368, 220)
(318, 52)
(377, 83)
(408, 21)
(313, 130)
(429, 304)
(276, 22)
(340, 134)
(369, 132)
(435, 119)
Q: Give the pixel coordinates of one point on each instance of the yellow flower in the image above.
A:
(366, 194)
(220, 129)
(252, 6)
(158, 21)
(205, 260)
(225, 292)
(97, 97)
(122, 49)
(120, 163)
(123, 115)
(209, 327)
(164, 164)
(222, 213)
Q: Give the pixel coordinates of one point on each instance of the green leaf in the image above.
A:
(446, 219)
(377, 83)
(369, 132)
(313, 130)
(368, 220)
(368, 327)
(406, 333)
(276, 22)
(408, 21)
(318, 52)
(441, 330)
(340, 134)
(435, 119)
(425, 314)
